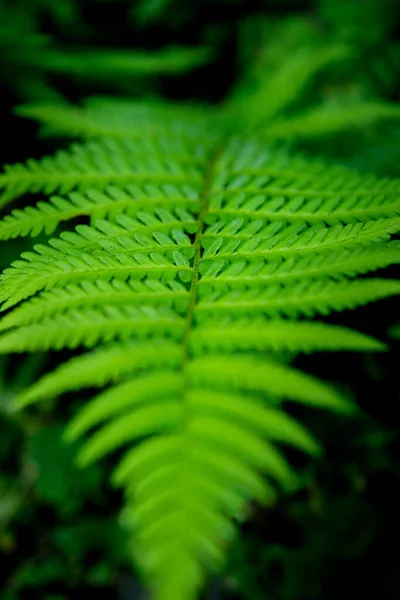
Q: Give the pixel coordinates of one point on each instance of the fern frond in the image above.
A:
(101, 63)
(246, 373)
(258, 238)
(278, 237)
(101, 118)
(117, 240)
(255, 199)
(269, 421)
(330, 120)
(126, 395)
(88, 327)
(50, 268)
(97, 165)
(114, 202)
(181, 284)
(279, 88)
(336, 265)
(101, 366)
(304, 298)
(260, 334)
(89, 295)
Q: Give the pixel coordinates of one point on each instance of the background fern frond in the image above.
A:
(330, 120)
(102, 64)
(124, 119)
(279, 88)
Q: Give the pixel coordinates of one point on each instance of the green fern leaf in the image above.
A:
(101, 366)
(327, 120)
(100, 118)
(101, 64)
(278, 334)
(97, 165)
(200, 251)
(46, 216)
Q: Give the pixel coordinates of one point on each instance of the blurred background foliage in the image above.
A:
(338, 534)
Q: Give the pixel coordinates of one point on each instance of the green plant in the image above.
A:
(195, 254)
(30, 59)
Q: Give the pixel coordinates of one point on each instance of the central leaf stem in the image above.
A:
(208, 176)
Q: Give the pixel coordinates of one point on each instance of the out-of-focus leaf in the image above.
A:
(100, 64)
(59, 481)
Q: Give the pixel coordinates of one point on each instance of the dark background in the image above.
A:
(338, 535)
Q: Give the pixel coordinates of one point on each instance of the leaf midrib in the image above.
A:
(190, 315)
